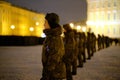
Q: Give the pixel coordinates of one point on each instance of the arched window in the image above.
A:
(114, 3)
(114, 16)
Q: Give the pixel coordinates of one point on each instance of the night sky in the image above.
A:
(68, 10)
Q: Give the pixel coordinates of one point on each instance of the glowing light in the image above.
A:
(12, 27)
(43, 35)
(84, 29)
(31, 29)
(72, 25)
(37, 23)
(78, 27)
(102, 23)
(90, 23)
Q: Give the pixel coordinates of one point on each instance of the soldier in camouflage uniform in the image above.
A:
(84, 46)
(80, 53)
(53, 50)
(69, 43)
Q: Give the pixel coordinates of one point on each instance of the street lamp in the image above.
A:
(37, 23)
(31, 29)
(72, 25)
(12, 27)
(84, 29)
(78, 28)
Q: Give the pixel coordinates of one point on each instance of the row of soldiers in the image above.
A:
(104, 41)
(76, 46)
(62, 55)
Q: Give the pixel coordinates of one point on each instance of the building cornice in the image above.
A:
(13, 5)
(92, 0)
(4, 2)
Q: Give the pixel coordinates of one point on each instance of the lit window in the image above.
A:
(97, 15)
(103, 4)
(97, 5)
(102, 17)
(114, 3)
(119, 30)
(108, 16)
(114, 16)
(108, 31)
(114, 30)
(108, 3)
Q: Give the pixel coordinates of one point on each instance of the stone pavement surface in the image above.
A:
(24, 63)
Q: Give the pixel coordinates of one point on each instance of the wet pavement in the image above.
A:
(24, 63)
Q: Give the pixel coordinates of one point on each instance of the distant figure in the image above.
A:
(81, 55)
(74, 64)
(103, 41)
(93, 44)
(107, 41)
(99, 41)
(88, 46)
(84, 46)
(116, 41)
(53, 50)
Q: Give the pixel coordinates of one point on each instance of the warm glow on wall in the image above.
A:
(103, 23)
(19, 21)
(104, 20)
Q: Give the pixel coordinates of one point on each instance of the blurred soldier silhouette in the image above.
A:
(99, 41)
(103, 41)
(88, 45)
(76, 37)
(84, 45)
(107, 41)
(69, 43)
(116, 41)
(80, 51)
(93, 44)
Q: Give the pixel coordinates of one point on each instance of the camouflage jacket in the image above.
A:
(53, 51)
(69, 43)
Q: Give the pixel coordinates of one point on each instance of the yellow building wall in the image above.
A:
(21, 19)
(103, 17)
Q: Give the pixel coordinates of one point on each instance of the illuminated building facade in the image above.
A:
(103, 17)
(19, 21)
